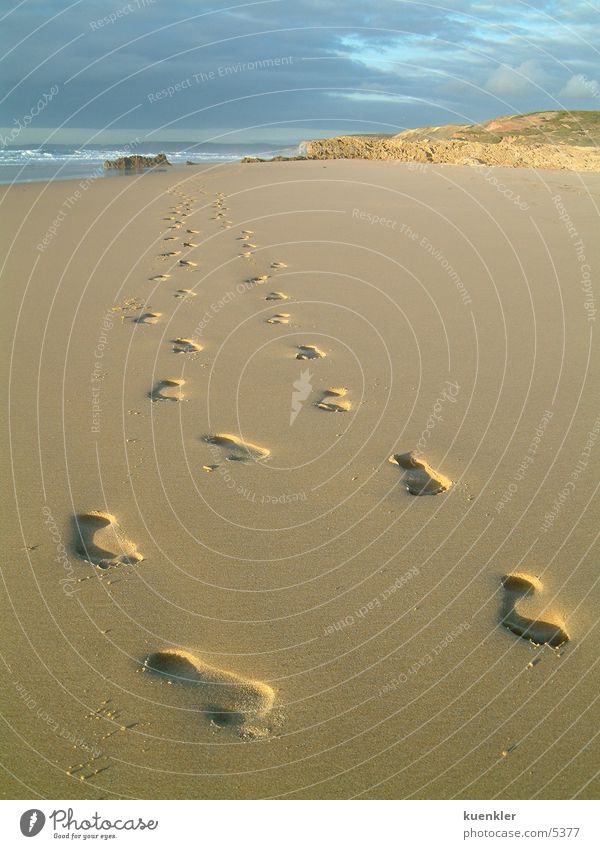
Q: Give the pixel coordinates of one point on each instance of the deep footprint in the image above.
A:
(148, 318)
(240, 450)
(226, 699)
(309, 352)
(168, 389)
(186, 346)
(100, 540)
(333, 400)
(279, 318)
(418, 476)
(540, 631)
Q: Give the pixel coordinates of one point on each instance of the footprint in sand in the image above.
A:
(333, 400)
(249, 245)
(169, 238)
(190, 245)
(517, 587)
(279, 318)
(279, 265)
(309, 352)
(186, 346)
(276, 296)
(168, 389)
(100, 540)
(193, 232)
(185, 293)
(418, 476)
(160, 277)
(225, 699)
(169, 253)
(239, 449)
(148, 318)
(261, 278)
(187, 263)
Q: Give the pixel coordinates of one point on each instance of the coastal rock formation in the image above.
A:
(503, 153)
(136, 162)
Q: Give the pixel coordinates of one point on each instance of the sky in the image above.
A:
(280, 71)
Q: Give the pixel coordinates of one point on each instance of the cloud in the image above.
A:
(374, 97)
(362, 66)
(507, 81)
(580, 87)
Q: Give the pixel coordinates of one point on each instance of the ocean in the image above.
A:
(20, 164)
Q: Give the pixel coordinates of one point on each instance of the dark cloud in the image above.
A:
(334, 66)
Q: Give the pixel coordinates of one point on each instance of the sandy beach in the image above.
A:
(302, 462)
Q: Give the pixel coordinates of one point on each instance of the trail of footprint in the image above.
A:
(239, 448)
(226, 699)
(309, 352)
(279, 318)
(148, 318)
(517, 586)
(419, 478)
(337, 406)
(168, 389)
(100, 540)
(186, 346)
(276, 296)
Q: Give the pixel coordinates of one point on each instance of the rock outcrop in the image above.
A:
(136, 162)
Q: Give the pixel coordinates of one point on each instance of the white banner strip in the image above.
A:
(298, 824)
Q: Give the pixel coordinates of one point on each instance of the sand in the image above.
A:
(216, 583)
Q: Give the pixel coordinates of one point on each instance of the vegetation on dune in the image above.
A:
(579, 128)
